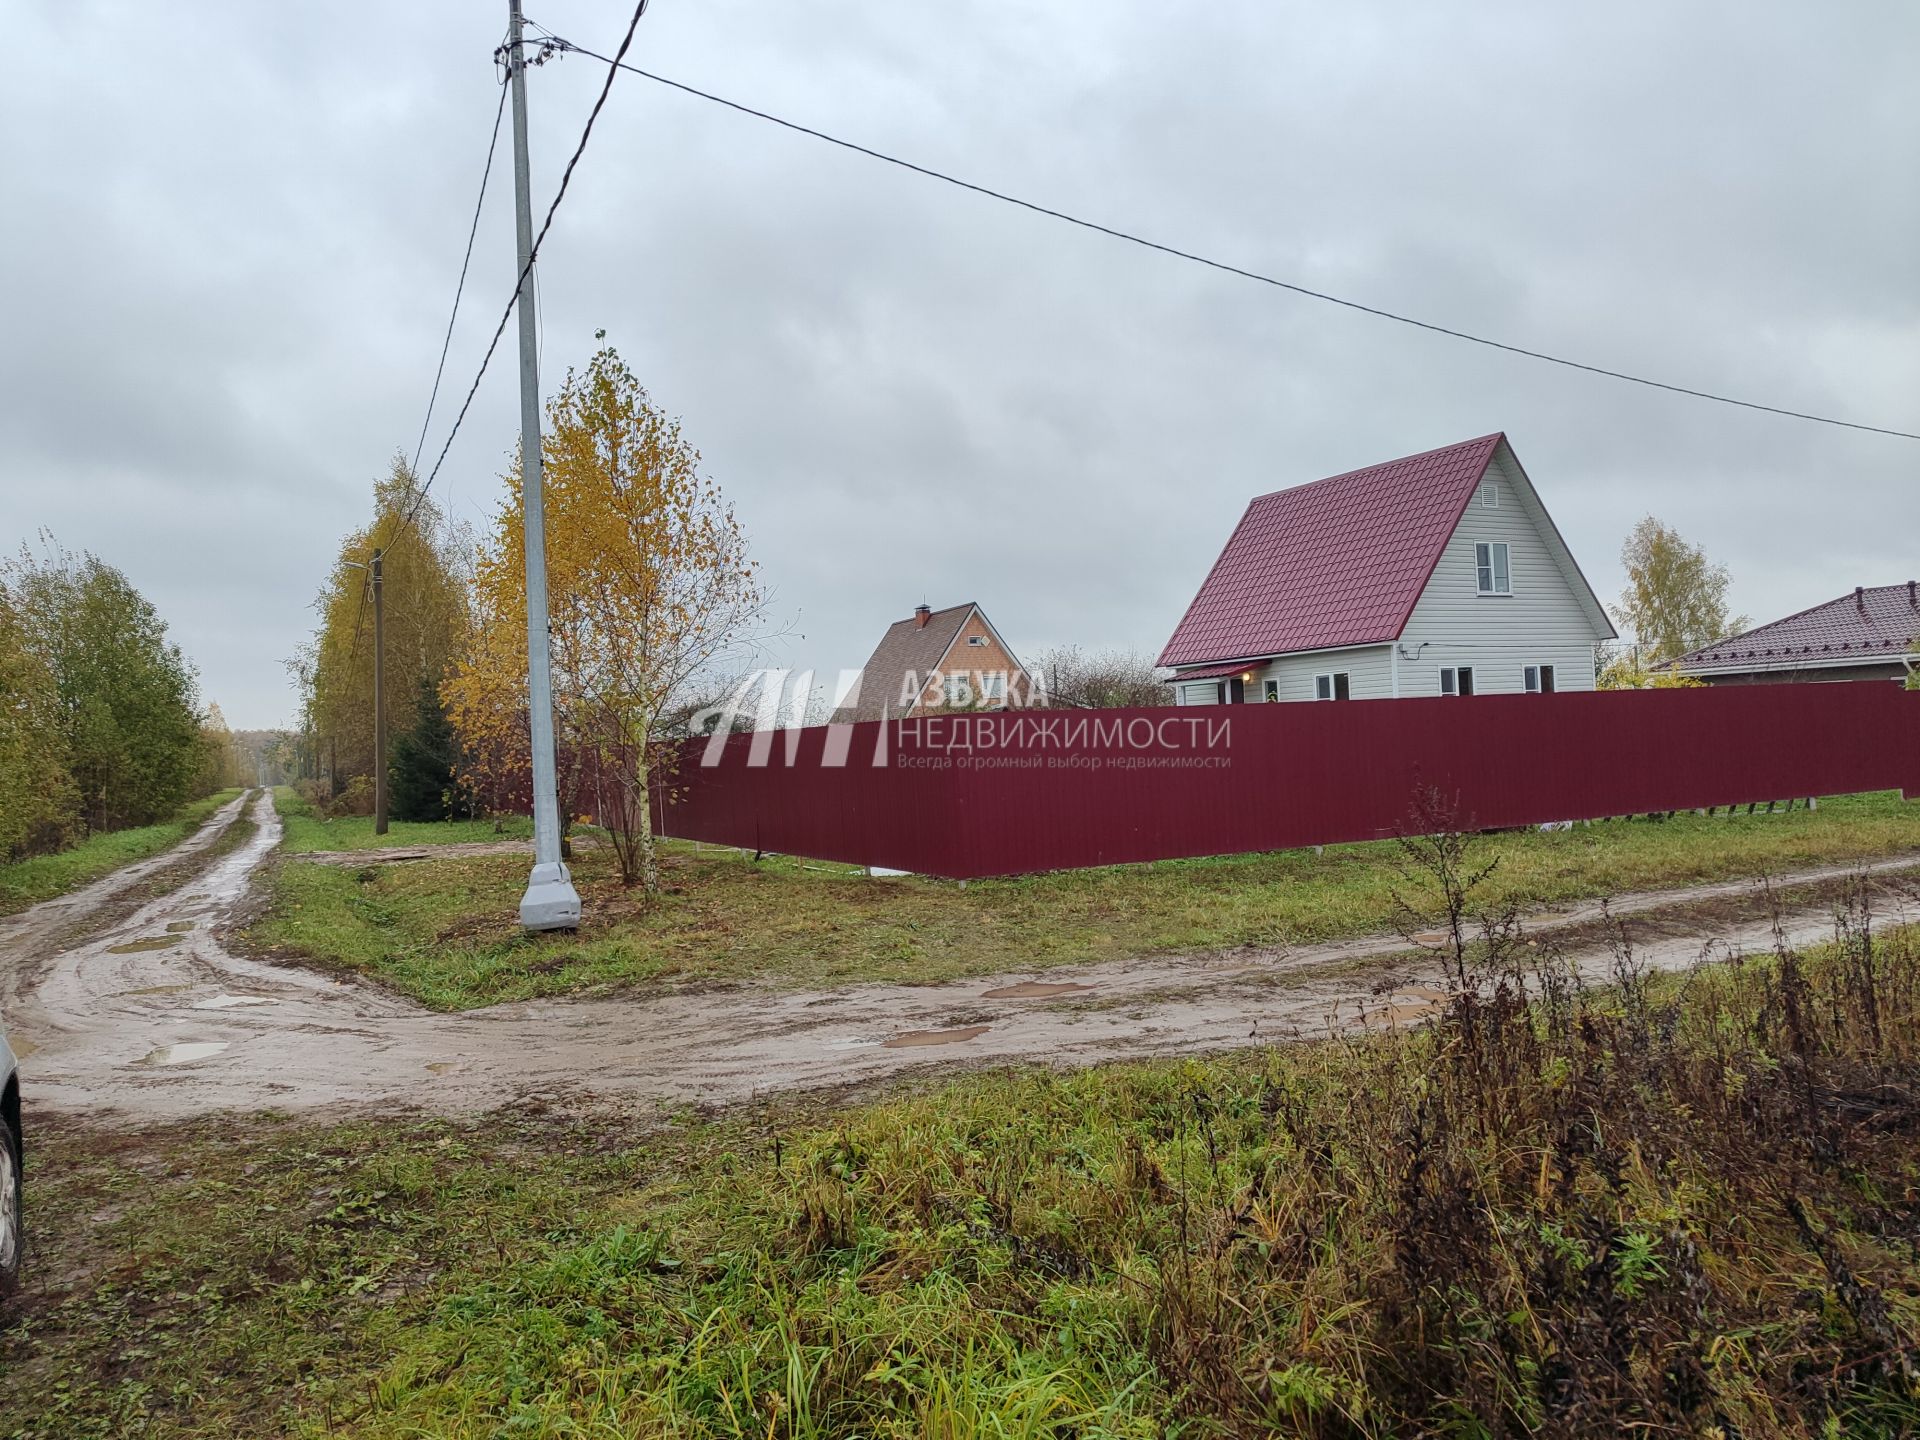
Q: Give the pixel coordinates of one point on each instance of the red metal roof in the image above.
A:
(1340, 561)
(1208, 672)
(1868, 625)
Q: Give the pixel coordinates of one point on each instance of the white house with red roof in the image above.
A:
(1437, 574)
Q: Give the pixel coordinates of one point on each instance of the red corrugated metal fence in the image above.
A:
(971, 795)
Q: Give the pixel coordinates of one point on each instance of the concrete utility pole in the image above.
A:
(379, 701)
(551, 902)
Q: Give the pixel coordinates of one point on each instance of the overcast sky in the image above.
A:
(232, 233)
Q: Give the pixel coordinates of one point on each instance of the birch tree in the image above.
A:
(649, 584)
(1676, 598)
(426, 622)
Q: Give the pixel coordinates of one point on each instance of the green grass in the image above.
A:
(27, 882)
(1679, 1209)
(306, 831)
(445, 931)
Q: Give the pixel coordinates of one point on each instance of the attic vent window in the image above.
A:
(976, 639)
(1490, 494)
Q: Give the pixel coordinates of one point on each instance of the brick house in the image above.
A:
(950, 659)
(1868, 635)
(1437, 574)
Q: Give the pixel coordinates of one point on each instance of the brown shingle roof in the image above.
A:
(907, 647)
(1873, 624)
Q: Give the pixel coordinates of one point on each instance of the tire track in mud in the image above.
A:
(32, 936)
(151, 1018)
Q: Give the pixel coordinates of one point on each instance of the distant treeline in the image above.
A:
(101, 724)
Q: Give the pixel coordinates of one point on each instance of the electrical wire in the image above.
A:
(466, 260)
(566, 178)
(1050, 212)
(473, 230)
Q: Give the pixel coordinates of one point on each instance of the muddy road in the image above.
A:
(130, 1009)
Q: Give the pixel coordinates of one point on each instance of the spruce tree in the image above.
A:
(420, 781)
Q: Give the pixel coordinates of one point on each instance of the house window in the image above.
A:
(1490, 561)
(1272, 690)
(959, 692)
(1456, 679)
(1331, 687)
(994, 686)
(1490, 494)
(976, 639)
(1539, 679)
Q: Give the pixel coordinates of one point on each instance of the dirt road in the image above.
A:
(149, 1017)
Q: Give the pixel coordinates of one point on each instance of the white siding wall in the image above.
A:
(1367, 667)
(1542, 622)
(1369, 677)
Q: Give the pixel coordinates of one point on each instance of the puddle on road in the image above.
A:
(145, 942)
(180, 1054)
(227, 1002)
(1034, 990)
(1416, 1002)
(1431, 937)
(153, 990)
(853, 1042)
(179, 927)
(441, 1067)
(22, 1047)
(914, 1039)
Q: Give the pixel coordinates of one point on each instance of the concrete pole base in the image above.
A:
(551, 902)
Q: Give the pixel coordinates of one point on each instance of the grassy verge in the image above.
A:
(305, 831)
(1685, 1208)
(445, 931)
(27, 882)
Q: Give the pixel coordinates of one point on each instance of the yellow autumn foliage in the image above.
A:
(648, 585)
(426, 624)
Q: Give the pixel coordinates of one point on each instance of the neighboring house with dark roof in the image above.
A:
(950, 659)
(1438, 574)
(1868, 635)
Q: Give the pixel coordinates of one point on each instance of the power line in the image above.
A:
(566, 178)
(472, 231)
(617, 63)
(493, 142)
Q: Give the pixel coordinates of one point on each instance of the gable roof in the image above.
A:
(1337, 562)
(1879, 623)
(907, 647)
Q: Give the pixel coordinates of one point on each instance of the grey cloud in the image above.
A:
(241, 226)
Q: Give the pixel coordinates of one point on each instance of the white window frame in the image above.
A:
(959, 690)
(1270, 691)
(1329, 683)
(1450, 679)
(1490, 494)
(1496, 567)
(993, 686)
(976, 639)
(1539, 679)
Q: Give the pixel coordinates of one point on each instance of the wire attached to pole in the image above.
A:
(1132, 239)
